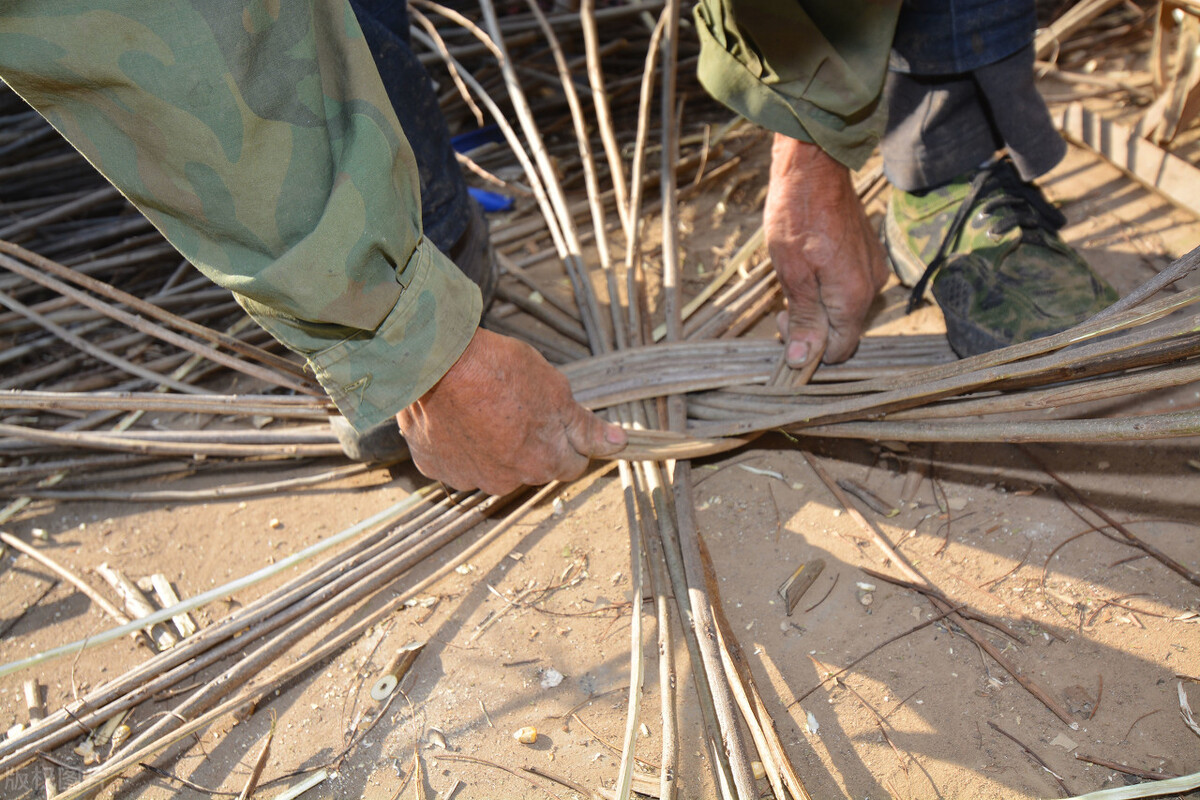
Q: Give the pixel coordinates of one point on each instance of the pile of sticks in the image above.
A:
(84, 355)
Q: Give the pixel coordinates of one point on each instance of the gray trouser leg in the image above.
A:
(941, 126)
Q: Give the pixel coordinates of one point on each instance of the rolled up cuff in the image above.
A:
(372, 375)
(779, 106)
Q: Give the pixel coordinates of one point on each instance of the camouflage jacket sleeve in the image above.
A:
(809, 69)
(259, 139)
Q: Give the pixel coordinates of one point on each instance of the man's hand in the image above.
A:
(826, 256)
(503, 417)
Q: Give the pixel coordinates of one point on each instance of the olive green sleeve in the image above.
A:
(809, 69)
(258, 138)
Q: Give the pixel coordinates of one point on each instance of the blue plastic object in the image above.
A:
(466, 142)
(491, 201)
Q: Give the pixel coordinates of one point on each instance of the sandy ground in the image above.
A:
(539, 621)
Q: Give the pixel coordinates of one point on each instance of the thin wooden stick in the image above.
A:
(301, 407)
(196, 495)
(599, 226)
(67, 575)
(572, 259)
(493, 764)
(203, 598)
(132, 445)
(148, 308)
(1134, 540)
(660, 583)
(633, 217)
(636, 663)
(286, 378)
(260, 763)
(63, 211)
(1139, 773)
(881, 541)
(92, 350)
(463, 92)
(775, 759)
(37, 713)
(705, 625)
(616, 166)
(672, 303)
(1057, 778)
(659, 497)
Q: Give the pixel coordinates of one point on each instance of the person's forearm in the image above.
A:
(260, 141)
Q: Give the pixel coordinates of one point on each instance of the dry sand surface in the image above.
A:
(538, 622)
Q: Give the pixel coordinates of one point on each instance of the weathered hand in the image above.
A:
(503, 417)
(826, 256)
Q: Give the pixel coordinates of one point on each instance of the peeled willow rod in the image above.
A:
(555, 350)
(650, 366)
(28, 348)
(658, 507)
(293, 434)
(1153, 367)
(68, 158)
(331, 600)
(211, 644)
(204, 598)
(702, 613)
(142, 255)
(672, 305)
(550, 294)
(60, 212)
(514, 142)
(724, 705)
(589, 308)
(669, 769)
(636, 649)
(625, 771)
(1179, 269)
(122, 231)
(616, 166)
(289, 370)
(1057, 396)
(599, 224)
(635, 286)
(725, 318)
(196, 495)
(316, 656)
(95, 352)
(700, 322)
(67, 575)
(766, 737)
(544, 313)
(463, 91)
(299, 407)
(735, 265)
(100, 441)
(909, 394)
(64, 310)
(627, 316)
(1148, 311)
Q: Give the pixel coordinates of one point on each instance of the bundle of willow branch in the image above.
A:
(700, 391)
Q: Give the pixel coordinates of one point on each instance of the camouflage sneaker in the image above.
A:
(987, 246)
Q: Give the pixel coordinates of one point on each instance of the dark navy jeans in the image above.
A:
(950, 37)
(960, 88)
